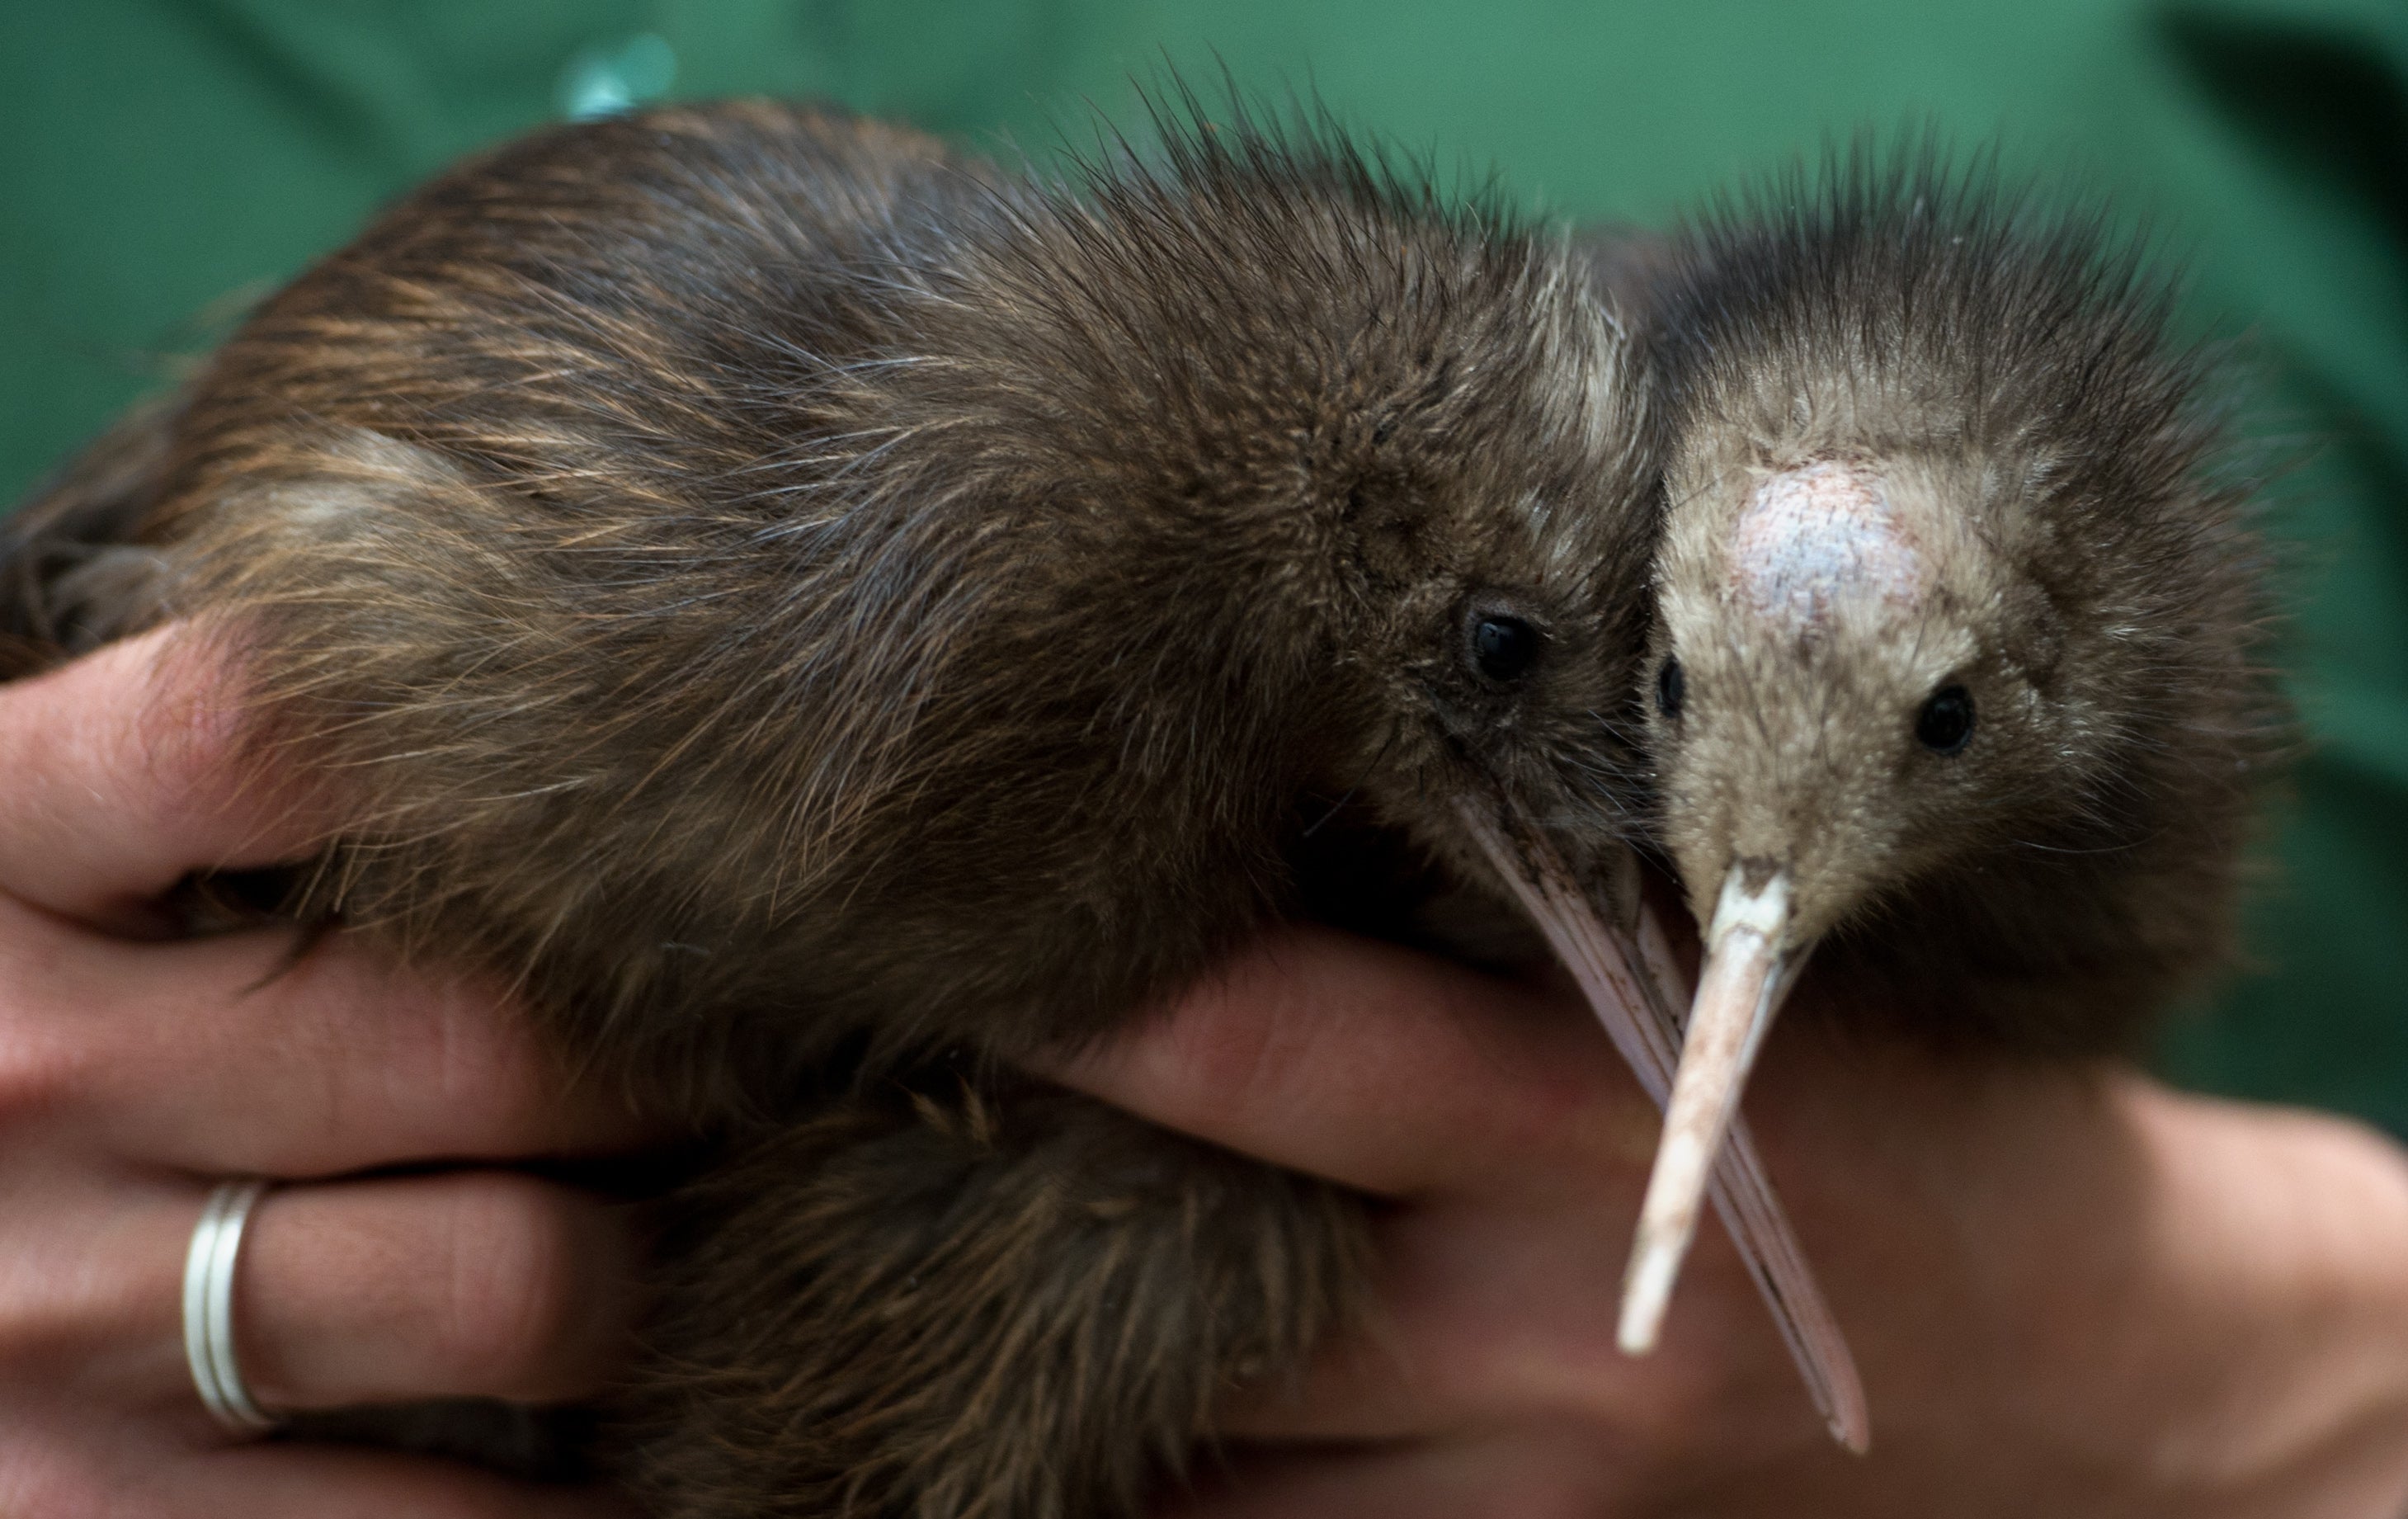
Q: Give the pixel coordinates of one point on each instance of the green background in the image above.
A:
(161, 162)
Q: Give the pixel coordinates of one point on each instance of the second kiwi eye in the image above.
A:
(1503, 648)
(1945, 724)
(1669, 689)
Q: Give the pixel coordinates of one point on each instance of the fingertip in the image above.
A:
(1360, 1061)
(540, 1304)
(472, 1284)
(127, 770)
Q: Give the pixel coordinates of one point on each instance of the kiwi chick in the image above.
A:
(1955, 675)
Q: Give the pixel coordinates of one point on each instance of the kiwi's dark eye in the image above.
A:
(1669, 689)
(1945, 724)
(1504, 648)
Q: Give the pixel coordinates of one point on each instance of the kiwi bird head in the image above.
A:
(1949, 673)
(1370, 474)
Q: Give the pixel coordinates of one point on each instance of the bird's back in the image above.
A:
(517, 485)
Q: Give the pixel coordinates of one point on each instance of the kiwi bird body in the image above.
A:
(808, 609)
(1952, 679)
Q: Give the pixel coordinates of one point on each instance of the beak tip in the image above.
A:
(1645, 1296)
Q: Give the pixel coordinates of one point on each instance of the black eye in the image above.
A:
(1670, 688)
(1504, 648)
(1945, 724)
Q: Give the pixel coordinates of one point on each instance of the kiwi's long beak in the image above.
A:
(1746, 974)
(1621, 988)
(1629, 979)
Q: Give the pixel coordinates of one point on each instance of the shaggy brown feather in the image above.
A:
(799, 604)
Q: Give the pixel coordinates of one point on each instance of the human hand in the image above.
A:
(135, 1070)
(2070, 1291)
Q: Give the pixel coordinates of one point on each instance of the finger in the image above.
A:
(1376, 1066)
(69, 1458)
(299, 1482)
(465, 1284)
(229, 1056)
(91, 1290)
(126, 773)
(1533, 1475)
(1487, 1311)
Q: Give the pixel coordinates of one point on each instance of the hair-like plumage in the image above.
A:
(2003, 370)
(735, 516)
(800, 603)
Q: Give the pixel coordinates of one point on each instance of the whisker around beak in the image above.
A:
(1633, 988)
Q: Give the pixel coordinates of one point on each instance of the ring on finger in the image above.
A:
(209, 1308)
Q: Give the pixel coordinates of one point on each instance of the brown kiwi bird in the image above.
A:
(1954, 681)
(828, 620)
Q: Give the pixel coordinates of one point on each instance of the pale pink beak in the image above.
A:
(1633, 988)
(1744, 979)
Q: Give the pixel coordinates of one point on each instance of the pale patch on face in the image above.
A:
(1815, 538)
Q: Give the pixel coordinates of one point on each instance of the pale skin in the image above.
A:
(2071, 1293)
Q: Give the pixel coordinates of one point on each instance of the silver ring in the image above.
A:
(209, 1308)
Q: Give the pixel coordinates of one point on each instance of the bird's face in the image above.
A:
(1385, 478)
(1503, 682)
(1848, 680)
(1852, 686)
(1489, 611)
(1496, 554)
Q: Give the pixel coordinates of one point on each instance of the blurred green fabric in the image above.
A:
(163, 161)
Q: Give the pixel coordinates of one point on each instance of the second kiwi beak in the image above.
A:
(1748, 970)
